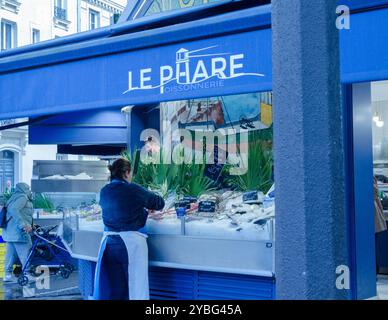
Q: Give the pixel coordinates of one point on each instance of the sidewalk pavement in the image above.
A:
(59, 289)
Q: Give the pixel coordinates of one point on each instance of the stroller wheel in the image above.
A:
(17, 271)
(23, 280)
(64, 272)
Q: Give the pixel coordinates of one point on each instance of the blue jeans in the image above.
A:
(16, 251)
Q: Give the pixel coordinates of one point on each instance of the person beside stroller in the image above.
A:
(19, 227)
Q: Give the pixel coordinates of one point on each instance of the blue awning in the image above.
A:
(94, 127)
(128, 64)
(127, 69)
(81, 128)
(363, 47)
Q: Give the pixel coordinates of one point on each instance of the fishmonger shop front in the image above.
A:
(183, 75)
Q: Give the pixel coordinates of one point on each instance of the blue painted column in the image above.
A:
(311, 224)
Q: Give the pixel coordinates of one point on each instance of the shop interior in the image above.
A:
(379, 94)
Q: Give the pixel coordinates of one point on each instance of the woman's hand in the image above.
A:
(27, 229)
(156, 215)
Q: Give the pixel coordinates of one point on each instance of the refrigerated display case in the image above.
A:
(73, 189)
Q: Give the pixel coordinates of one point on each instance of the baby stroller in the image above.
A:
(47, 250)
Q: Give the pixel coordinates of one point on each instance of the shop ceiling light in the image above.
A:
(375, 117)
(380, 123)
(126, 109)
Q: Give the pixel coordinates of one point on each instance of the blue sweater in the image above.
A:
(124, 205)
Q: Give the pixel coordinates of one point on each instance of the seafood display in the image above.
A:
(81, 176)
(91, 212)
(232, 218)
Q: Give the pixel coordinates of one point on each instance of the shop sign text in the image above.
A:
(193, 70)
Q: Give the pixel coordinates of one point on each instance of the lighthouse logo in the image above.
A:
(195, 69)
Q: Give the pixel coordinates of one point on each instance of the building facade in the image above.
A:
(93, 14)
(26, 22)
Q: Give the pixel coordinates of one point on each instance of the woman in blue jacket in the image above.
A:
(122, 267)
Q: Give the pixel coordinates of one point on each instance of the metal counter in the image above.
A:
(187, 252)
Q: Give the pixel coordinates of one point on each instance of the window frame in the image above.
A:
(35, 31)
(97, 16)
(13, 24)
(60, 5)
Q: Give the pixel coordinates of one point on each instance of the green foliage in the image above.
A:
(7, 194)
(190, 179)
(259, 174)
(184, 179)
(162, 179)
(194, 182)
(152, 175)
(42, 201)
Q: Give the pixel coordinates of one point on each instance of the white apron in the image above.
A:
(137, 250)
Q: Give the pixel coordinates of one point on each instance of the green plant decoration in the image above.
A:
(190, 179)
(42, 201)
(184, 179)
(259, 174)
(7, 194)
(195, 182)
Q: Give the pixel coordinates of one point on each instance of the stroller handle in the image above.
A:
(44, 230)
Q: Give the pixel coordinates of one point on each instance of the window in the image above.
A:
(60, 9)
(10, 5)
(94, 19)
(61, 4)
(204, 134)
(35, 35)
(380, 122)
(7, 171)
(158, 6)
(8, 35)
(60, 15)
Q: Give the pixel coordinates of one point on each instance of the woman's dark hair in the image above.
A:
(118, 168)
